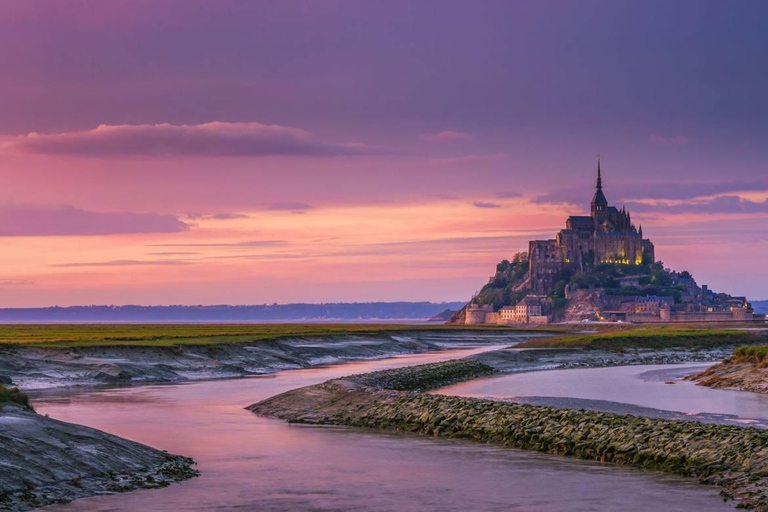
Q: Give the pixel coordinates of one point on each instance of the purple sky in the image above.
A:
(292, 151)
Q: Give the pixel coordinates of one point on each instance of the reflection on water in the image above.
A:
(253, 463)
(656, 386)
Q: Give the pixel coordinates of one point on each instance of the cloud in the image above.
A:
(250, 243)
(214, 139)
(508, 195)
(173, 253)
(653, 190)
(483, 204)
(722, 204)
(447, 136)
(217, 216)
(33, 220)
(677, 140)
(12, 283)
(468, 159)
(122, 263)
(289, 206)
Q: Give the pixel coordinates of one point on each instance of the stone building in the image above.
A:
(528, 310)
(607, 235)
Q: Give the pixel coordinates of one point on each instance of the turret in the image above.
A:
(599, 202)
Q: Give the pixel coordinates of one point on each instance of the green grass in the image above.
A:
(756, 354)
(154, 335)
(650, 337)
(13, 396)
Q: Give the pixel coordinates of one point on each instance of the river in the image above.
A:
(652, 390)
(253, 463)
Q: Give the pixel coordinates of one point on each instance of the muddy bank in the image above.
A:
(523, 360)
(44, 461)
(46, 367)
(733, 458)
(729, 374)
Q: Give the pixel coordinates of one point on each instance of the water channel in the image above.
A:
(253, 463)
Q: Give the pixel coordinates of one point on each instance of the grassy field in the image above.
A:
(656, 337)
(160, 335)
(757, 355)
(208, 334)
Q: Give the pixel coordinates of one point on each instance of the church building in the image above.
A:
(607, 235)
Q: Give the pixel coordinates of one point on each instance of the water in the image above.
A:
(253, 463)
(657, 387)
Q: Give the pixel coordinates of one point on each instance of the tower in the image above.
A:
(599, 202)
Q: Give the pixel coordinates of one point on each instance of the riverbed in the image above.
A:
(248, 462)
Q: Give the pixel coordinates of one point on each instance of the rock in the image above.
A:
(57, 462)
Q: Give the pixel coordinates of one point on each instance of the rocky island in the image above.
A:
(599, 268)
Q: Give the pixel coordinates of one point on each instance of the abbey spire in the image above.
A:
(599, 202)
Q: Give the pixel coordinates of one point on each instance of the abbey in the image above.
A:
(607, 235)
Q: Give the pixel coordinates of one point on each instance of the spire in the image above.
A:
(641, 231)
(599, 202)
(599, 176)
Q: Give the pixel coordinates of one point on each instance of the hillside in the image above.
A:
(760, 306)
(507, 286)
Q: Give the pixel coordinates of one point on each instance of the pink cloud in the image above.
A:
(485, 204)
(677, 140)
(214, 139)
(33, 220)
(447, 136)
(468, 159)
(122, 263)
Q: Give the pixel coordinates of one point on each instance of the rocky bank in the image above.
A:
(745, 376)
(45, 461)
(733, 458)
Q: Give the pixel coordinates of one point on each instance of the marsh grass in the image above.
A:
(167, 335)
(14, 396)
(650, 337)
(756, 354)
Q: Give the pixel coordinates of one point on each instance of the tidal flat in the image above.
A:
(196, 415)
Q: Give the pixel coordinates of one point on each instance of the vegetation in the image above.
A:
(425, 376)
(186, 334)
(756, 354)
(506, 287)
(650, 337)
(14, 396)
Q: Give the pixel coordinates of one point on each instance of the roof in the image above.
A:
(581, 222)
(529, 301)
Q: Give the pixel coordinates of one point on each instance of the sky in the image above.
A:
(199, 152)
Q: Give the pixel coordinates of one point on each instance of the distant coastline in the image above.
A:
(340, 312)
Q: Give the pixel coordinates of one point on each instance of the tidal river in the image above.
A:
(651, 390)
(252, 463)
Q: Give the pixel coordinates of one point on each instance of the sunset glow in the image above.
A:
(216, 159)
